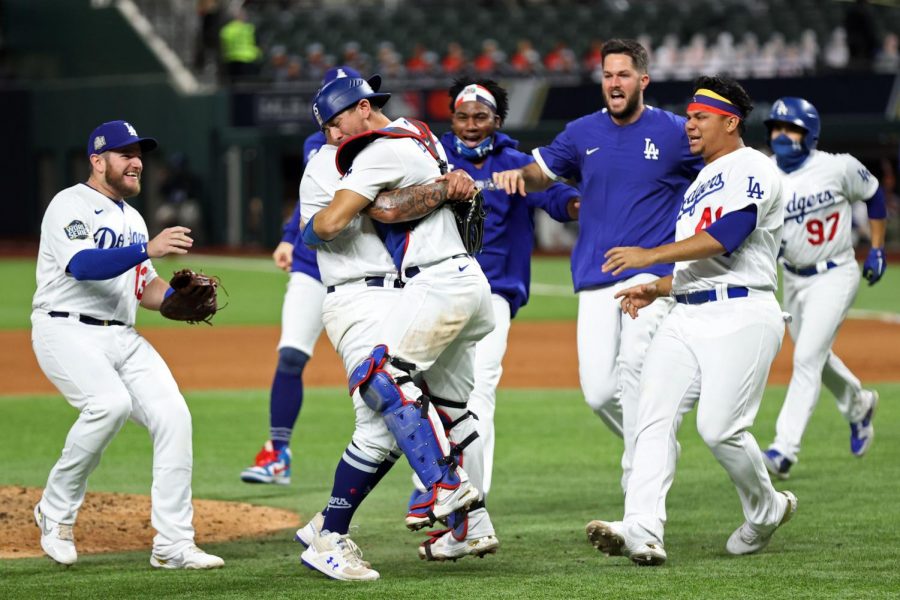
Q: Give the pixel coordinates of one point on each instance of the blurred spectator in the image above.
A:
(593, 58)
(526, 60)
(862, 40)
(809, 50)
(888, 59)
(316, 61)
(240, 53)
(693, 58)
(276, 68)
(354, 57)
(206, 51)
(181, 192)
(667, 58)
(836, 53)
(721, 57)
(455, 60)
(417, 63)
(388, 62)
(491, 58)
(561, 59)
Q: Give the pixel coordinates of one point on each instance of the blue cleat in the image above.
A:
(862, 432)
(272, 466)
(777, 464)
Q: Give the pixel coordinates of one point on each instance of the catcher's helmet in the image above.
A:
(799, 112)
(341, 94)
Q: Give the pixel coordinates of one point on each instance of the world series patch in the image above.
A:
(76, 230)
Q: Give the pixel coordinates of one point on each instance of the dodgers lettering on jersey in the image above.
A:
(817, 207)
(728, 184)
(632, 179)
(357, 252)
(79, 218)
(392, 163)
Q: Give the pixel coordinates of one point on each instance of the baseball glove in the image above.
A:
(470, 222)
(193, 299)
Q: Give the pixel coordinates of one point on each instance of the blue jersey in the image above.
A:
(509, 226)
(304, 258)
(632, 180)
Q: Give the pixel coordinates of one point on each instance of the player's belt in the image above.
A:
(371, 282)
(813, 270)
(413, 271)
(86, 319)
(704, 296)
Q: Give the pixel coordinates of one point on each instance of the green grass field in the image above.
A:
(556, 468)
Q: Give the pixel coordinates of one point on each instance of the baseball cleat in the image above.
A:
(272, 466)
(336, 556)
(607, 537)
(862, 432)
(191, 557)
(57, 539)
(448, 501)
(648, 555)
(777, 464)
(441, 546)
(312, 528)
(748, 539)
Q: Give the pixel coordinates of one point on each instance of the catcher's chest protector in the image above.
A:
(352, 146)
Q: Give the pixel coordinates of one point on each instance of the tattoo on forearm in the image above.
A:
(406, 204)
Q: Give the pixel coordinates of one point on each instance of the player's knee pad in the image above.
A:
(291, 360)
(378, 388)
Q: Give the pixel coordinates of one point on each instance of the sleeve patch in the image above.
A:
(76, 230)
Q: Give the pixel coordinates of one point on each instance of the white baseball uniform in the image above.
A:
(714, 354)
(109, 373)
(445, 306)
(818, 200)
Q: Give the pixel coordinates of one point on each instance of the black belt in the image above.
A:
(371, 282)
(704, 296)
(413, 271)
(807, 271)
(86, 319)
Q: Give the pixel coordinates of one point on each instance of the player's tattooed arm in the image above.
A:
(406, 204)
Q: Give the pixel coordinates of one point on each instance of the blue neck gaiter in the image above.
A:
(477, 153)
(789, 154)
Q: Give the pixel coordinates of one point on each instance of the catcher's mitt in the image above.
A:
(193, 299)
(470, 222)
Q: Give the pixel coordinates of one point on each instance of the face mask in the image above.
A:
(788, 154)
(479, 152)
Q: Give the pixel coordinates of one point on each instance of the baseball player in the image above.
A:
(716, 346)
(476, 146)
(444, 306)
(93, 271)
(821, 276)
(301, 324)
(633, 164)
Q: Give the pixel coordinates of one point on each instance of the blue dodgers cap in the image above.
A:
(117, 134)
(341, 94)
(340, 72)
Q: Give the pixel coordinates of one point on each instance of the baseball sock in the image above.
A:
(356, 475)
(286, 397)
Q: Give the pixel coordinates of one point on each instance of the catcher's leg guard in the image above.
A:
(410, 422)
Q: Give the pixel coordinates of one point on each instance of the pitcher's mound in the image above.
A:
(118, 522)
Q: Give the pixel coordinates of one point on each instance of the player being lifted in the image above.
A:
(821, 276)
(715, 348)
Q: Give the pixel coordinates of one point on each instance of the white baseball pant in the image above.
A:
(110, 374)
(301, 313)
(716, 355)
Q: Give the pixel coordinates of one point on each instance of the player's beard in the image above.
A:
(631, 106)
(122, 185)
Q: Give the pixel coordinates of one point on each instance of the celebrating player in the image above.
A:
(476, 146)
(633, 164)
(93, 271)
(716, 346)
(821, 276)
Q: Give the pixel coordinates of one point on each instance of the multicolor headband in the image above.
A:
(710, 101)
(476, 93)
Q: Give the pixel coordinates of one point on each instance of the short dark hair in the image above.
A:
(490, 85)
(728, 88)
(630, 48)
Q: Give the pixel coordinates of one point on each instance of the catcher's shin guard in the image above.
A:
(414, 424)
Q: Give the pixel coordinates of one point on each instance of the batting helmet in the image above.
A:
(341, 94)
(799, 112)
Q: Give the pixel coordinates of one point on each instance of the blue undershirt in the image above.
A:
(732, 229)
(94, 264)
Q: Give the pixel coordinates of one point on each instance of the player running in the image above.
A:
(715, 348)
(821, 276)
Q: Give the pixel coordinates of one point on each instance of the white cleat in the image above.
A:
(312, 528)
(191, 557)
(648, 555)
(748, 539)
(336, 556)
(448, 501)
(607, 537)
(57, 539)
(443, 546)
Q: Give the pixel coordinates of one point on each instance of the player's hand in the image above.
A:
(574, 208)
(626, 257)
(283, 255)
(172, 240)
(874, 266)
(511, 182)
(637, 297)
(460, 185)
